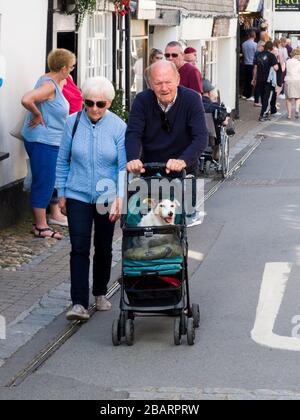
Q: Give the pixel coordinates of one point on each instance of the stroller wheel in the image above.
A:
(116, 332)
(196, 314)
(177, 332)
(190, 331)
(129, 332)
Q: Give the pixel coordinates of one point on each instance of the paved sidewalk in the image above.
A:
(32, 296)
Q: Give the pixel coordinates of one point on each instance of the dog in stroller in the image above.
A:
(155, 277)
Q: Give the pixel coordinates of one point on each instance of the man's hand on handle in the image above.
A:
(175, 165)
(135, 166)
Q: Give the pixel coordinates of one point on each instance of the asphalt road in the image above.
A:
(248, 290)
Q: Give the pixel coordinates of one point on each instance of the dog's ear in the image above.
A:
(177, 203)
(150, 201)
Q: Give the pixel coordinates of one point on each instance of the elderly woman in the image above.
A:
(90, 164)
(42, 132)
(292, 82)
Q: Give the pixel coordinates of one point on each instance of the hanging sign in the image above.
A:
(250, 5)
(287, 5)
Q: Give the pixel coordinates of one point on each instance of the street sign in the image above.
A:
(287, 5)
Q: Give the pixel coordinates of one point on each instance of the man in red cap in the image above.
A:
(190, 76)
(190, 55)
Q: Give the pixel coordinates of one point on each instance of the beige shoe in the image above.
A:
(102, 304)
(77, 313)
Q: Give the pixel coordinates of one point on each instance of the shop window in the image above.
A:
(99, 45)
(139, 48)
(209, 60)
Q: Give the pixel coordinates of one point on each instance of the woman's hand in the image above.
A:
(62, 204)
(116, 210)
(36, 120)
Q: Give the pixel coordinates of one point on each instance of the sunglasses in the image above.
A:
(173, 55)
(91, 104)
(165, 123)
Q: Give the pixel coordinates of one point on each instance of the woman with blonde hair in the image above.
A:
(292, 82)
(155, 55)
(42, 132)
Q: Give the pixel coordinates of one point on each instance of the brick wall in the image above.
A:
(221, 7)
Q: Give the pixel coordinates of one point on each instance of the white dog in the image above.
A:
(161, 214)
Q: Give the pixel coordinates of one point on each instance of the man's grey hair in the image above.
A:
(98, 86)
(175, 44)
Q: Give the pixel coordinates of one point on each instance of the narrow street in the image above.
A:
(248, 341)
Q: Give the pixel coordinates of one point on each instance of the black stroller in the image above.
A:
(154, 258)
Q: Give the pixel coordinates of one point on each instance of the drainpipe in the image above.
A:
(128, 61)
(237, 86)
(49, 38)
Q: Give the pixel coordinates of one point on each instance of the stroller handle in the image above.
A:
(159, 166)
(155, 165)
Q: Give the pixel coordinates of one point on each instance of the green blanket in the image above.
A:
(153, 253)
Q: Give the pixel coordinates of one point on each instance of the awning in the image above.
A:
(165, 17)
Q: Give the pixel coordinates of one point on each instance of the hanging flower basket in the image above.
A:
(122, 7)
(83, 8)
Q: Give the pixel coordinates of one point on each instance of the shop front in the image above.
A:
(287, 18)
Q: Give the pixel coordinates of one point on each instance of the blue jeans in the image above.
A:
(81, 217)
(43, 159)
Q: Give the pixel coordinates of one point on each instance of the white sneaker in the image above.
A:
(250, 99)
(77, 313)
(102, 304)
(195, 219)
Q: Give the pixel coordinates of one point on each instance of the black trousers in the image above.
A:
(248, 79)
(268, 95)
(81, 217)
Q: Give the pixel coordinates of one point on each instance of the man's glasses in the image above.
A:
(173, 55)
(165, 123)
(91, 104)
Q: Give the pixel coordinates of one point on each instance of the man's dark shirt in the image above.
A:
(147, 138)
(264, 61)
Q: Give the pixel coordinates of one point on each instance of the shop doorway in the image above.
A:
(69, 41)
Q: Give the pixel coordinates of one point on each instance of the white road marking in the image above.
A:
(272, 290)
(196, 255)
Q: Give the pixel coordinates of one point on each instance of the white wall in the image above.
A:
(227, 70)
(287, 21)
(164, 34)
(23, 44)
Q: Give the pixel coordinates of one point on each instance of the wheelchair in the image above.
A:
(215, 159)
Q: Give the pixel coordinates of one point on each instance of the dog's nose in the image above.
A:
(170, 213)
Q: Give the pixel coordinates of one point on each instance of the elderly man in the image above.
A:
(166, 124)
(190, 75)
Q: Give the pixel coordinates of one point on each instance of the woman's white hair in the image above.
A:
(98, 86)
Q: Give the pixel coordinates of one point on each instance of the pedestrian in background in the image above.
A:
(95, 153)
(42, 132)
(261, 72)
(155, 55)
(257, 98)
(73, 95)
(190, 55)
(190, 75)
(292, 82)
(249, 48)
